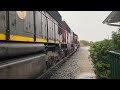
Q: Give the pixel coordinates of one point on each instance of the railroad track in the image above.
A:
(54, 68)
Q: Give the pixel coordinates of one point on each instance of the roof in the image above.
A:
(65, 26)
(75, 34)
(56, 15)
(113, 17)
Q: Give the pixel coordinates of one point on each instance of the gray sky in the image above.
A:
(88, 24)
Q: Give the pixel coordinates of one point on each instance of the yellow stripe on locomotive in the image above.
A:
(21, 38)
(41, 40)
(2, 36)
(27, 39)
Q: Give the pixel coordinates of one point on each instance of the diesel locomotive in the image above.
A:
(28, 32)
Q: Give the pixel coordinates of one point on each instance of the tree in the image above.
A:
(85, 43)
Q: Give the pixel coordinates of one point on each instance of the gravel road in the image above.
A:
(78, 66)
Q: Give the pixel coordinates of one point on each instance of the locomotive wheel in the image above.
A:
(49, 63)
(59, 57)
(62, 55)
(66, 53)
(53, 61)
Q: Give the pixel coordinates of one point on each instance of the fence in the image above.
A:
(114, 65)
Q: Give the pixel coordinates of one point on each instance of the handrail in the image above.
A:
(114, 52)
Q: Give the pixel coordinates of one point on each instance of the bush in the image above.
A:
(99, 52)
(116, 40)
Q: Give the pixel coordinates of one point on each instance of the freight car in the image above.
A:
(31, 32)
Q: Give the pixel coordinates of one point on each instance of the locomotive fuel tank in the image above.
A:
(8, 49)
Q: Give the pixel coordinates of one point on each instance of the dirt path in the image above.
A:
(85, 70)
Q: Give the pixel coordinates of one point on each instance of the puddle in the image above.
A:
(87, 76)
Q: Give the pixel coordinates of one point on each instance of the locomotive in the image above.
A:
(25, 33)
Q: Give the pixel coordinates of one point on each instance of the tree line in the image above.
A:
(85, 43)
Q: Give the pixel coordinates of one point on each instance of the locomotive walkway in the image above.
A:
(78, 66)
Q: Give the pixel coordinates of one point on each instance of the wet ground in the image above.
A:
(79, 66)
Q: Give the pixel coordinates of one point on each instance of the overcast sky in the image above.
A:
(88, 24)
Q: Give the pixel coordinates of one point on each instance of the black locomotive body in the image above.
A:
(29, 32)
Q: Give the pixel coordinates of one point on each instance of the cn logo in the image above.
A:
(21, 14)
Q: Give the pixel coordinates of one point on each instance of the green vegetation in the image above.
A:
(99, 52)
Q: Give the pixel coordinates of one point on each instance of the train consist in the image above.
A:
(25, 33)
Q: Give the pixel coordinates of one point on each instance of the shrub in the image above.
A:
(99, 52)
